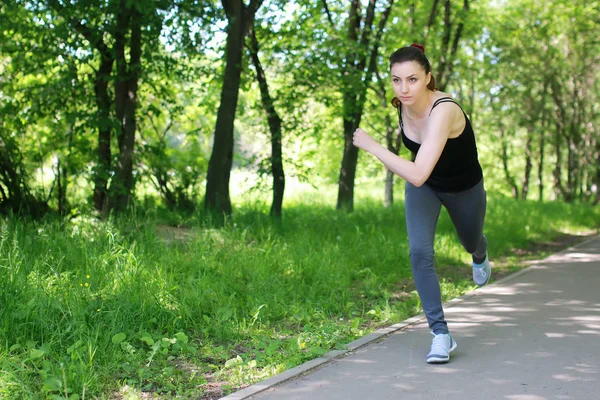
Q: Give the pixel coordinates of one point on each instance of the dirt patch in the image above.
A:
(172, 234)
(212, 389)
(563, 241)
(403, 289)
(215, 389)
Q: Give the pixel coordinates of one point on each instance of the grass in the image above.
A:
(112, 309)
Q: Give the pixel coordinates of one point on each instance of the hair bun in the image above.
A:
(418, 46)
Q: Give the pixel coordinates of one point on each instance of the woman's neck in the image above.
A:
(419, 110)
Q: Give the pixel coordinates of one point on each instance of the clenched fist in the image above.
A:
(362, 140)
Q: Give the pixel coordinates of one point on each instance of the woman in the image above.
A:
(445, 170)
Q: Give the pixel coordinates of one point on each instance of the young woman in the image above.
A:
(445, 170)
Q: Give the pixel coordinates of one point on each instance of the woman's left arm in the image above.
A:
(434, 140)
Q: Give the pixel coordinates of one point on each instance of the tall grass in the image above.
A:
(91, 309)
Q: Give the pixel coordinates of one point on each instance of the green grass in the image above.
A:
(93, 309)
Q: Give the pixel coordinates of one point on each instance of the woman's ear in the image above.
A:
(428, 78)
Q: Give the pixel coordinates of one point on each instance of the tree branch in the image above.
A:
(327, 12)
(254, 5)
(368, 28)
(457, 36)
(249, 13)
(432, 15)
(376, 42)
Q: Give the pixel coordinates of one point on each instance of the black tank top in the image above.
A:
(458, 168)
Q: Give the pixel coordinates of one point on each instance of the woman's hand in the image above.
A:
(362, 140)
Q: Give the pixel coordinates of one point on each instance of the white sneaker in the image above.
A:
(441, 347)
(482, 272)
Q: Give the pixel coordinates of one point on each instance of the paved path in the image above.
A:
(532, 336)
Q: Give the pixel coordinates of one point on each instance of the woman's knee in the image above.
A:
(473, 245)
(420, 255)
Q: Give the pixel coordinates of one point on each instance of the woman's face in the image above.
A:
(409, 81)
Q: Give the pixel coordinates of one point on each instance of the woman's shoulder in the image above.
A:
(437, 95)
(441, 98)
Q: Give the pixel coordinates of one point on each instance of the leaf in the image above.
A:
(181, 337)
(14, 347)
(51, 385)
(233, 362)
(36, 353)
(118, 338)
(146, 338)
(75, 346)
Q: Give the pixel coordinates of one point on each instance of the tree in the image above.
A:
(358, 70)
(76, 18)
(128, 23)
(239, 17)
(275, 123)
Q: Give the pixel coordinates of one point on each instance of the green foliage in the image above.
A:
(515, 67)
(539, 95)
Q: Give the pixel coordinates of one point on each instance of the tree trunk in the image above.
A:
(103, 103)
(393, 140)
(62, 191)
(504, 154)
(528, 165)
(544, 127)
(570, 193)
(573, 147)
(542, 153)
(348, 170)
(274, 122)
(219, 167)
(126, 87)
(162, 178)
(560, 126)
(557, 172)
(509, 178)
(597, 179)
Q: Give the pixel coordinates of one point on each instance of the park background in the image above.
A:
(184, 213)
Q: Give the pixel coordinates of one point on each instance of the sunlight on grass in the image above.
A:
(95, 307)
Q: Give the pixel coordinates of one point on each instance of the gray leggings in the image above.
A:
(467, 211)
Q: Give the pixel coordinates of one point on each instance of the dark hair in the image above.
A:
(414, 52)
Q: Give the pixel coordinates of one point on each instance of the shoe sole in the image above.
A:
(443, 360)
